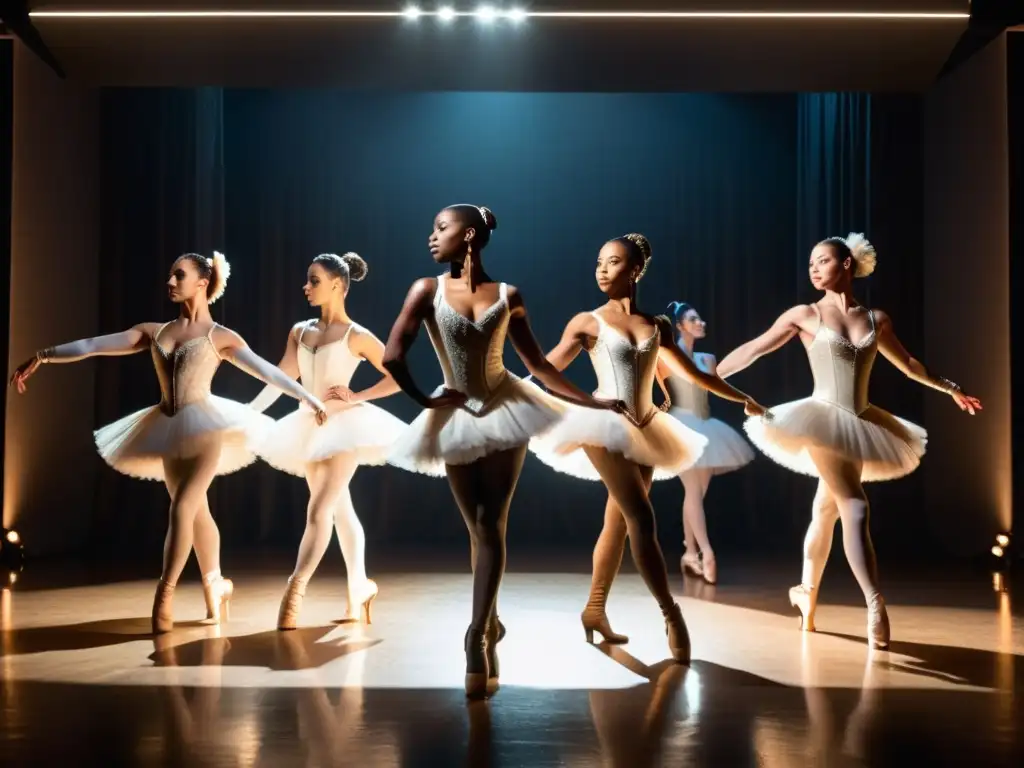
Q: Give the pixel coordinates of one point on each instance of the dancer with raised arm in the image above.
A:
(475, 428)
(626, 451)
(192, 435)
(324, 355)
(726, 450)
(836, 434)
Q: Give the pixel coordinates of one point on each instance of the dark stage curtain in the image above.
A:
(733, 191)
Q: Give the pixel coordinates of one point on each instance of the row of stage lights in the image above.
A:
(485, 13)
(489, 13)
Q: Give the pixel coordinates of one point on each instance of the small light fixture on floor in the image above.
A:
(1002, 557)
(12, 554)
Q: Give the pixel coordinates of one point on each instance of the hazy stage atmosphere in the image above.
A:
(263, 195)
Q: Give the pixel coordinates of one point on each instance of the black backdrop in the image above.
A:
(732, 190)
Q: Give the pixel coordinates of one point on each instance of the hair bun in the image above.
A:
(220, 272)
(863, 253)
(357, 266)
(490, 220)
(642, 243)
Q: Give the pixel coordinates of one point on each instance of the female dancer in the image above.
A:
(325, 353)
(192, 435)
(836, 435)
(626, 451)
(725, 450)
(476, 427)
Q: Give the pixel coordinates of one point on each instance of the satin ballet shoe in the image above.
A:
(805, 600)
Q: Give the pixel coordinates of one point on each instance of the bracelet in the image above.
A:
(44, 355)
(948, 386)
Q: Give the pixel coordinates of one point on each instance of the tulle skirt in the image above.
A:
(726, 449)
(888, 446)
(517, 411)
(662, 443)
(297, 440)
(137, 444)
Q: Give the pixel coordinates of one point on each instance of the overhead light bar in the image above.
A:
(449, 13)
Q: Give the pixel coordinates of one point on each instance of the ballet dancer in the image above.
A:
(836, 434)
(192, 435)
(627, 450)
(324, 354)
(475, 428)
(725, 451)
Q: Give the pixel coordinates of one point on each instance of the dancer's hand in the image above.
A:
(24, 372)
(321, 417)
(611, 404)
(966, 402)
(754, 408)
(449, 398)
(344, 394)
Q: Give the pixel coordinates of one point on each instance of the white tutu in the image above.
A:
(662, 443)
(516, 412)
(297, 440)
(137, 444)
(726, 449)
(889, 446)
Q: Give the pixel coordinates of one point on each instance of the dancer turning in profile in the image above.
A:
(725, 451)
(477, 426)
(325, 353)
(626, 451)
(191, 436)
(836, 434)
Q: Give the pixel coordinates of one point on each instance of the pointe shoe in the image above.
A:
(878, 624)
(594, 618)
(288, 615)
(804, 599)
(710, 568)
(678, 635)
(364, 602)
(690, 566)
(495, 634)
(218, 593)
(475, 645)
(163, 618)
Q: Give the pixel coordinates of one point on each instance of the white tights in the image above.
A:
(190, 523)
(840, 496)
(695, 529)
(330, 506)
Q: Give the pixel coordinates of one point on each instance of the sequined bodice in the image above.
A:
(625, 370)
(842, 369)
(470, 353)
(186, 373)
(687, 396)
(329, 365)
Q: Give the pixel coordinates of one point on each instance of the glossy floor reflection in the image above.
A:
(84, 682)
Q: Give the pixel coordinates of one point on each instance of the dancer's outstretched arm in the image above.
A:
(788, 325)
(681, 365)
(419, 303)
(542, 368)
(894, 351)
(289, 365)
(128, 342)
(233, 348)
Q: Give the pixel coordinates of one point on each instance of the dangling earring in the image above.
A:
(469, 264)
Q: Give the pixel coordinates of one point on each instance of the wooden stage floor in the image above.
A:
(83, 682)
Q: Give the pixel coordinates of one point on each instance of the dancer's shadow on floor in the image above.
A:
(80, 637)
(950, 664)
(274, 650)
